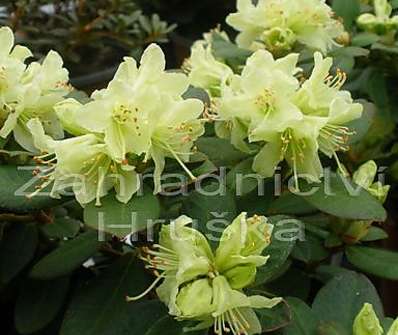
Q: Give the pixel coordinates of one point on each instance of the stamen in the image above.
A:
(178, 159)
(149, 289)
(337, 81)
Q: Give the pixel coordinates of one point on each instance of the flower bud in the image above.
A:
(379, 191)
(367, 22)
(365, 175)
(367, 322)
(382, 8)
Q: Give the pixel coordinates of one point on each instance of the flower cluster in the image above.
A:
(367, 323)
(381, 22)
(291, 119)
(28, 92)
(140, 116)
(199, 285)
(278, 25)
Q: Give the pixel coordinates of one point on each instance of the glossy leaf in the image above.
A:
(17, 249)
(121, 219)
(99, 307)
(67, 257)
(340, 300)
(379, 262)
(38, 304)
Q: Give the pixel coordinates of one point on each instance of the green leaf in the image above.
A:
(339, 196)
(38, 304)
(379, 262)
(394, 4)
(304, 320)
(197, 93)
(242, 179)
(341, 299)
(375, 234)
(364, 39)
(291, 204)
(20, 183)
(17, 248)
(282, 287)
(274, 318)
(213, 207)
(121, 219)
(348, 10)
(67, 257)
(167, 325)
(63, 227)
(228, 51)
(220, 151)
(310, 251)
(100, 308)
(324, 273)
(284, 237)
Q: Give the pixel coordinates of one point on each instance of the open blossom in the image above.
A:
(29, 92)
(295, 120)
(205, 287)
(278, 25)
(142, 112)
(84, 164)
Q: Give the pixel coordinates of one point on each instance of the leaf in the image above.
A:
(339, 196)
(310, 251)
(324, 273)
(67, 257)
(228, 51)
(100, 308)
(341, 299)
(348, 10)
(120, 219)
(242, 179)
(63, 227)
(197, 93)
(282, 287)
(364, 39)
(274, 318)
(304, 320)
(284, 237)
(167, 325)
(379, 262)
(291, 204)
(17, 248)
(220, 151)
(38, 304)
(213, 207)
(20, 183)
(375, 234)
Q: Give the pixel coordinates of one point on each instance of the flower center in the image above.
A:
(293, 148)
(265, 101)
(122, 114)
